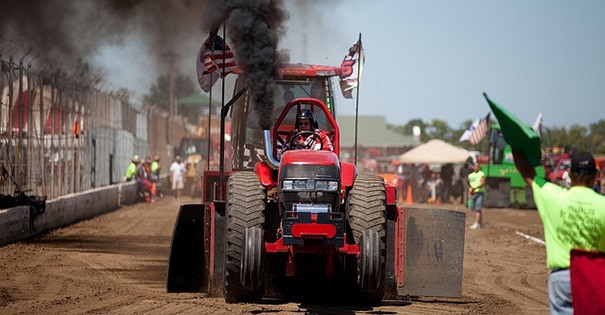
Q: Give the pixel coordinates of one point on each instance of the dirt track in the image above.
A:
(116, 264)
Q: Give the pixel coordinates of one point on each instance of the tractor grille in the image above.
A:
(315, 187)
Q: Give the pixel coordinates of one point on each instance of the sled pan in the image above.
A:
(434, 251)
(186, 263)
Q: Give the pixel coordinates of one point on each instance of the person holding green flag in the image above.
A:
(573, 218)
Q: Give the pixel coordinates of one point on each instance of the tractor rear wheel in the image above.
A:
(366, 212)
(245, 218)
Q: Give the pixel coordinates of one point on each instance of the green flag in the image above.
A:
(517, 134)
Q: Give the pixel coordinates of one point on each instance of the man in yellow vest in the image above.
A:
(155, 167)
(476, 193)
(131, 170)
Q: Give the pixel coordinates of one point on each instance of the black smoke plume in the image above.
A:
(66, 31)
(254, 28)
(63, 31)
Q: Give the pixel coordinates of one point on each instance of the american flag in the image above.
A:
(215, 59)
(469, 131)
(480, 130)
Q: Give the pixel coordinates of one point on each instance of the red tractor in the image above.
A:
(280, 222)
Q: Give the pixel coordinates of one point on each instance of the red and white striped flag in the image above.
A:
(214, 59)
(480, 130)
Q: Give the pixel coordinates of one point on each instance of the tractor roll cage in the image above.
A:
(287, 119)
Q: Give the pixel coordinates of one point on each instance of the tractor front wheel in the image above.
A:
(243, 257)
(252, 261)
(366, 209)
(370, 265)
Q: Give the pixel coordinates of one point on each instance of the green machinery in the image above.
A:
(504, 185)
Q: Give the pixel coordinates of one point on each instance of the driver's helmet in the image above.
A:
(305, 114)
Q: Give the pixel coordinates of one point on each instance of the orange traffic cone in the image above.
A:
(408, 199)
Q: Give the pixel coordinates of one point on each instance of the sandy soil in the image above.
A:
(116, 264)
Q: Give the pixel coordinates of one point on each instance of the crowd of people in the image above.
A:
(449, 183)
(146, 173)
(436, 185)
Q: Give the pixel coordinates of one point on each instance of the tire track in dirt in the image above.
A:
(514, 268)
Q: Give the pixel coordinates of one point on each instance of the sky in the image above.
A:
(434, 59)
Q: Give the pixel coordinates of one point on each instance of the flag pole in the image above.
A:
(359, 49)
(208, 135)
(209, 126)
(222, 132)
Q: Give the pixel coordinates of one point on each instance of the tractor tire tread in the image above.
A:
(366, 206)
(245, 207)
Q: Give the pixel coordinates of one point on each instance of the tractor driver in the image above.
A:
(307, 135)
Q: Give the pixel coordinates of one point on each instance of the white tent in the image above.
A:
(435, 151)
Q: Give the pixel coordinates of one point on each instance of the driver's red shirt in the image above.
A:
(314, 144)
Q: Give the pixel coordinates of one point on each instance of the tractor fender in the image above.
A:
(348, 172)
(264, 173)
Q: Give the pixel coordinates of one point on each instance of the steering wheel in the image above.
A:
(310, 138)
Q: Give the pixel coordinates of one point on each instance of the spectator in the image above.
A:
(177, 177)
(155, 167)
(155, 170)
(425, 173)
(145, 180)
(463, 173)
(402, 181)
(572, 218)
(131, 170)
(434, 185)
(446, 174)
(476, 193)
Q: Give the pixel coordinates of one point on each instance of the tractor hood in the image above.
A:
(310, 164)
(309, 157)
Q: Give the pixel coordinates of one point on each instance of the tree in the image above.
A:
(407, 129)
(160, 90)
(597, 137)
(590, 139)
(439, 129)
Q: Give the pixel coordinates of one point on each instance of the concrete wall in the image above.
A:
(18, 223)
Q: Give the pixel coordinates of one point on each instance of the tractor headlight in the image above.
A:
(326, 185)
(296, 184)
(304, 184)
